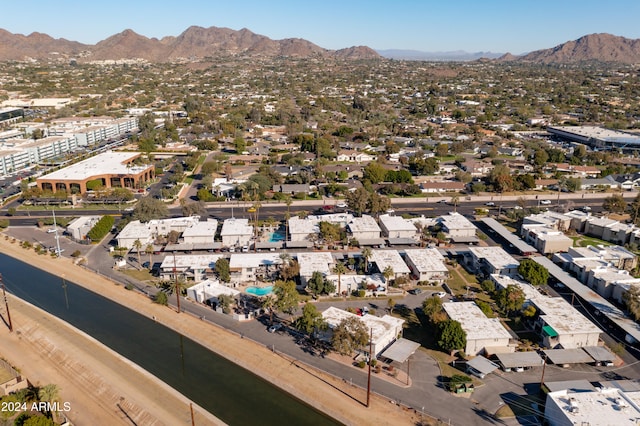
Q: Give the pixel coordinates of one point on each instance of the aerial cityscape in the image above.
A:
(212, 226)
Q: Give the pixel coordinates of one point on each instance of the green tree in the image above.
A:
(533, 272)
(391, 303)
(374, 172)
(432, 308)
(311, 320)
(572, 184)
(318, 284)
(358, 200)
(631, 299)
(222, 270)
(39, 421)
(287, 296)
(510, 299)
(615, 204)
(451, 336)
(150, 208)
(349, 336)
(329, 232)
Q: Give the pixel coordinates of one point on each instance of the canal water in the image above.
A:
(228, 391)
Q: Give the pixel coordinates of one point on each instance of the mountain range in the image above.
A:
(198, 42)
(194, 42)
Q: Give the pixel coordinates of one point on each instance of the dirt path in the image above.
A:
(312, 386)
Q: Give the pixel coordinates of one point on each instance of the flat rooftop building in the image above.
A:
(311, 262)
(597, 137)
(112, 169)
(385, 329)
(392, 259)
(604, 406)
(483, 334)
(427, 264)
(494, 260)
(397, 227)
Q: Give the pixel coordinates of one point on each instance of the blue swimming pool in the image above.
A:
(276, 237)
(260, 291)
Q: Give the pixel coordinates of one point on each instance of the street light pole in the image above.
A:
(6, 304)
(370, 359)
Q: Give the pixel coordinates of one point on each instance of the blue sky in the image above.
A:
(515, 26)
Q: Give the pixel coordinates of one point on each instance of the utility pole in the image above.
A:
(370, 359)
(175, 279)
(6, 304)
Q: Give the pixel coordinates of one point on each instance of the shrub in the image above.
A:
(102, 228)
(161, 298)
(361, 364)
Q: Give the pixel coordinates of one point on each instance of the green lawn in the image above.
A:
(583, 241)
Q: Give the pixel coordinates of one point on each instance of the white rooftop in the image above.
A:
(384, 258)
(191, 261)
(236, 226)
(613, 275)
(309, 225)
(427, 260)
(316, 261)
(608, 406)
(380, 325)
(604, 252)
(199, 229)
(363, 224)
(555, 311)
(135, 229)
(397, 223)
(253, 260)
(212, 288)
(562, 317)
(474, 322)
(455, 221)
(110, 162)
(495, 256)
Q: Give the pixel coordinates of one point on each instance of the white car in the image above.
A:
(341, 205)
(545, 202)
(490, 204)
(440, 294)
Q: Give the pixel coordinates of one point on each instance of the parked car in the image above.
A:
(586, 209)
(341, 205)
(415, 291)
(440, 294)
(490, 204)
(545, 202)
(275, 327)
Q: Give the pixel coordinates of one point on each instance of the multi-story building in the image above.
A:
(427, 265)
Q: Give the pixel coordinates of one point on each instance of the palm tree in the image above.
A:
(288, 201)
(137, 244)
(455, 200)
(286, 259)
(269, 304)
(149, 250)
(49, 393)
(366, 255)
(339, 269)
(388, 273)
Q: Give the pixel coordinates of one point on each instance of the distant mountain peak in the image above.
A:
(601, 47)
(194, 42)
